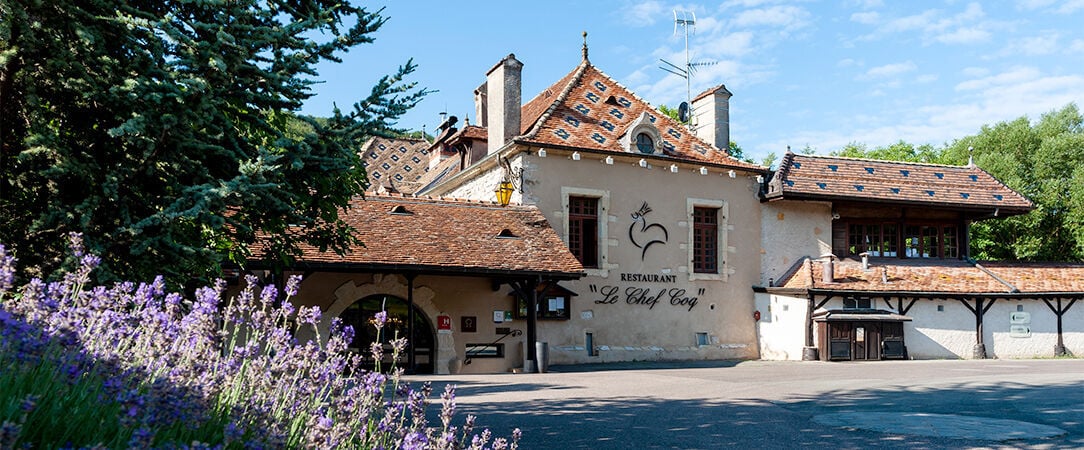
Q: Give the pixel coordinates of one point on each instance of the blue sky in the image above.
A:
(821, 74)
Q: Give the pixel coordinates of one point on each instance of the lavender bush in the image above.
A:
(131, 366)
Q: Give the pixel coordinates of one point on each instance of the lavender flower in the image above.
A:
(380, 319)
(292, 285)
(156, 361)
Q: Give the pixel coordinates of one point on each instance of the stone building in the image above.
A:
(632, 236)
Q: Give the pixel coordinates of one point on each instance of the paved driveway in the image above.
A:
(761, 404)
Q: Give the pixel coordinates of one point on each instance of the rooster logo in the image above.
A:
(648, 236)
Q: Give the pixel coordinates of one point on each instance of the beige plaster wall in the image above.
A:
(606, 306)
(434, 295)
(791, 230)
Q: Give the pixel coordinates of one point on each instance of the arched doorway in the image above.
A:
(360, 315)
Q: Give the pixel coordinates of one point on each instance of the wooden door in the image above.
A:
(860, 342)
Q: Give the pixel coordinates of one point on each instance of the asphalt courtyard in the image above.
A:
(763, 404)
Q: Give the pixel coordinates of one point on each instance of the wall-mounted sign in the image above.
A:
(444, 323)
(643, 234)
(649, 297)
(1020, 318)
(498, 316)
(1020, 331)
(468, 324)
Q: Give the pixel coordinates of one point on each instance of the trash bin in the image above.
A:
(542, 352)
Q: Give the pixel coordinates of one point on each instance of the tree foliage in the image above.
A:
(164, 130)
(1043, 160)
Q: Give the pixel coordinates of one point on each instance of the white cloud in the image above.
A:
(1077, 46)
(976, 72)
(1071, 6)
(869, 4)
(1005, 96)
(928, 78)
(1034, 4)
(1011, 78)
(643, 14)
(965, 36)
(912, 22)
(848, 62)
(868, 18)
(889, 70)
(1032, 45)
(776, 16)
(934, 25)
(733, 44)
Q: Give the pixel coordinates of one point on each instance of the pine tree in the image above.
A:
(164, 130)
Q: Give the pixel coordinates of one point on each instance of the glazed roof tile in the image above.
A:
(588, 109)
(398, 163)
(447, 235)
(831, 177)
(938, 276)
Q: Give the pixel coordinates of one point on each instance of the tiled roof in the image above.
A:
(941, 276)
(471, 132)
(838, 178)
(443, 171)
(1040, 277)
(440, 235)
(395, 162)
(588, 109)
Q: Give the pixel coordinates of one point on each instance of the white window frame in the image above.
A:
(603, 197)
(722, 270)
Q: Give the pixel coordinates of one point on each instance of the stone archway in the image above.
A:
(350, 292)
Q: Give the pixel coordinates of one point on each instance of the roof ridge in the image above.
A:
(537, 125)
(910, 163)
(397, 196)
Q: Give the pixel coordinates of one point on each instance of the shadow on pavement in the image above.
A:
(645, 422)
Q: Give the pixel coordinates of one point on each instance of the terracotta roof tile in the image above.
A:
(1040, 277)
(588, 109)
(442, 234)
(945, 276)
(829, 177)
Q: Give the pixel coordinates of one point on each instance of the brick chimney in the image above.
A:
(711, 115)
(503, 102)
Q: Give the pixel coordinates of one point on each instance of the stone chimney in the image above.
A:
(480, 106)
(503, 102)
(711, 116)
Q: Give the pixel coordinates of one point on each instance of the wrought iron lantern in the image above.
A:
(504, 192)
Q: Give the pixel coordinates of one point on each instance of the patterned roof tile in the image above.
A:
(588, 109)
(830, 177)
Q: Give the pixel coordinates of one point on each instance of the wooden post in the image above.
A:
(411, 363)
(532, 324)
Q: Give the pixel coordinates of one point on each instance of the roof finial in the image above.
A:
(585, 45)
(970, 156)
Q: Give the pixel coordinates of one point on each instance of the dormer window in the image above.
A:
(644, 143)
(641, 136)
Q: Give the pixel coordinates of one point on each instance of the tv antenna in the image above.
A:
(685, 19)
